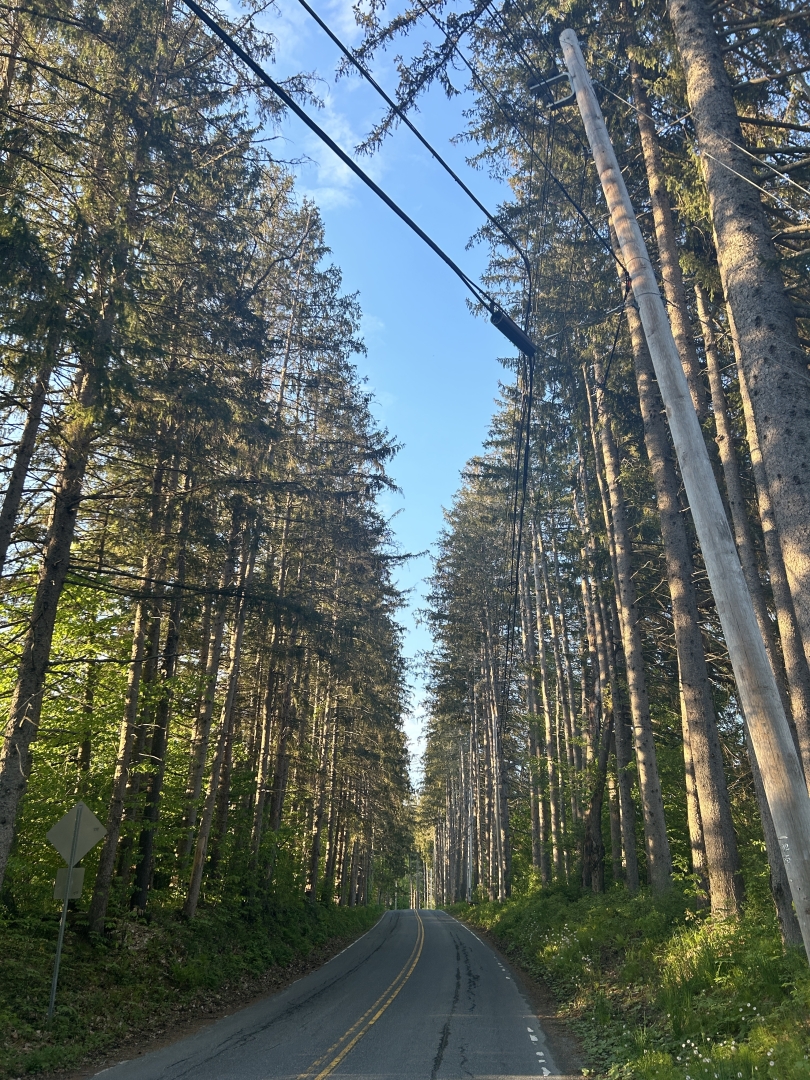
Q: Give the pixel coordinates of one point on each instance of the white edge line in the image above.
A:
(351, 944)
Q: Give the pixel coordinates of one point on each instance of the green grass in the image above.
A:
(658, 991)
(146, 976)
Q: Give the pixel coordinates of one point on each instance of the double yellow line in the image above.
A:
(347, 1042)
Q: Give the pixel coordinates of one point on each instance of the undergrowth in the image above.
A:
(145, 977)
(658, 991)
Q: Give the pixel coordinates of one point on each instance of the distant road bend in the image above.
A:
(418, 997)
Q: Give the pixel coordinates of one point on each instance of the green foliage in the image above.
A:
(169, 295)
(657, 990)
(134, 982)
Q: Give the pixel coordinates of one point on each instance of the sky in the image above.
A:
(431, 365)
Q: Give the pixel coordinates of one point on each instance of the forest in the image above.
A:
(200, 610)
(199, 615)
(588, 760)
(585, 722)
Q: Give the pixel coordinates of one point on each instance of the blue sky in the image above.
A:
(431, 365)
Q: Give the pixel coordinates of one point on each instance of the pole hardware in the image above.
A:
(510, 329)
(540, 86)
(757, 692)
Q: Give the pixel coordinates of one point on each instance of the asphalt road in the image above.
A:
(418, 997)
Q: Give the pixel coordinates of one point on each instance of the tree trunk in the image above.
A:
(780, 886)
(694, 823)
(786, 615)
(607, 646)
(615, 827)
(539, 854)
(593, 848)
(671, 275)
(26, 705)
(720, 841)
(623, 744)
(551, 763)
(248, 562)
(22, 459)
(773, 364)
(287, 722)
(160, 743)
(202, 731)
(734, 489)
(564, 705)
(499, 780)
(659, 863)
(324, 770)
(126, 741)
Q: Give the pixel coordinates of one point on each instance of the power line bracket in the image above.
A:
(539, 86)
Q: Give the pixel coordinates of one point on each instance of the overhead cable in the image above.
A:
(403, 116)
(730, 142)
(498, 317)
(516, 127)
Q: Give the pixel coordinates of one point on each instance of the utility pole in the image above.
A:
(759, 698)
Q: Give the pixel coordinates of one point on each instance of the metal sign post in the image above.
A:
(63, 920)
(72, 836)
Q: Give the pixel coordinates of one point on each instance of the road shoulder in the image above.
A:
(186, 1020)
(565, 1048)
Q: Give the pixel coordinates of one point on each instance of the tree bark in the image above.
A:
(607, 646)
(539, 853)
(563, 702)
(671, 275)
(659, 863)
(694, 822)
(593, 848)
(126, 742)
(248, 562)
(720, 841)
(202, 731)
(160, 739)
(773, 364)
(26, 705)
(551, 762)
(734, 489)
(786, 616)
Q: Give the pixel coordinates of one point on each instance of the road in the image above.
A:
(419, 997)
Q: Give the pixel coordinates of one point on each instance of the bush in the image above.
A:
(142, 977)
(659, 991)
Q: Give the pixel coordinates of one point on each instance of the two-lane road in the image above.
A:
(419, 997)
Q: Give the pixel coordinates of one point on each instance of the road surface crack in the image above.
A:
(437, 1061)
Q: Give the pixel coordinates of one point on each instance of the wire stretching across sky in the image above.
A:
(514, 124)
(499, 317)
(403, 116)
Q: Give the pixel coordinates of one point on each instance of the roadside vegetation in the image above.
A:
(658, 990)
(198, 614)
(147, 978)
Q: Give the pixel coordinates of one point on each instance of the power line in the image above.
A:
(403, 116)
(729, 142)
(498, 317)
(513, 123)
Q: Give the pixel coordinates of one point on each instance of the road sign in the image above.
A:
(90, 832)
(72, 836)
(76, 882)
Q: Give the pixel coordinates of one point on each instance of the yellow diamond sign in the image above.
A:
(90, 832)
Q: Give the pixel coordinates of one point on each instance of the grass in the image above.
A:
(656, 990)
(147, 977)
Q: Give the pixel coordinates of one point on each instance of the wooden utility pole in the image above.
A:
(756, 685)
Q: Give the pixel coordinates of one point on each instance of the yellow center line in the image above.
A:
(377, 1009)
